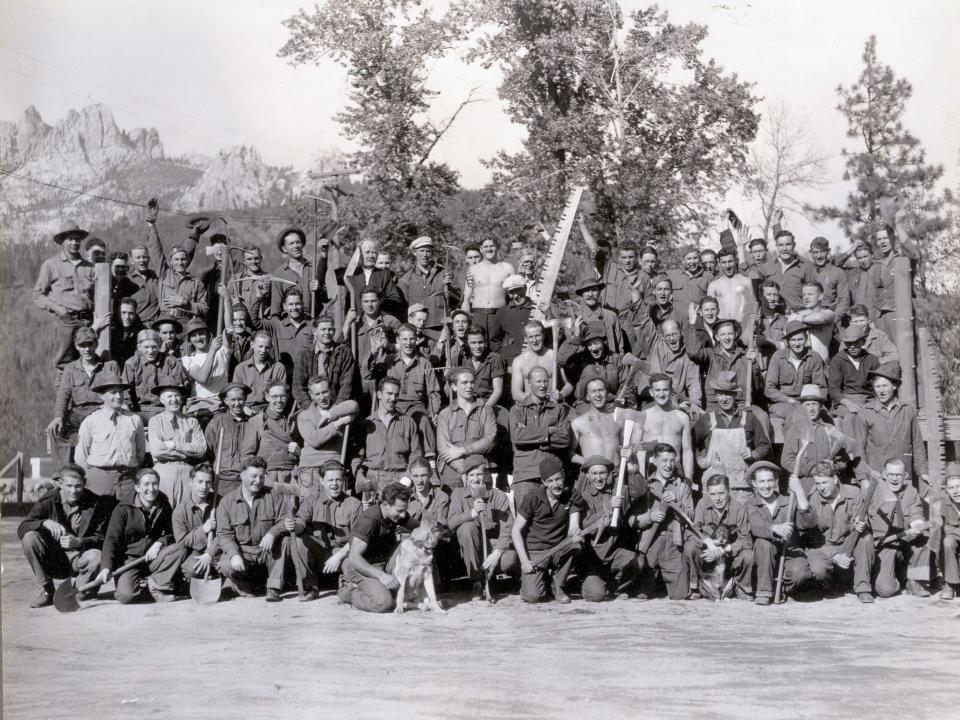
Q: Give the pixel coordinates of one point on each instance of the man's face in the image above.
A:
(663, 293)
(168, 334)
(727, 337)
(419, 320)
(810, 296)
(719, 496)
(883, 388)
(598, 476)
(596, 347)
(464, 386)
(320, 394)
(396, 512)
(87, 350)
(140, 259)
(812, 408)
(648, 263)
(709, 312)
(71, 246)
(370, 304)
(277, 398)
(864, 258)
(407, 342)
(368, 254)
(293, 306)
(293, 245)
(894, 474)
(171, 400)
(591, 297)
(239, 322)
(217, 250)
(334, 484)
(424, 256)
(148, 489)
(119, 268)
(534, 336)
(387, 395)
(234, 400)
(383, 261)
(150, 349)
(260, 347)
(473, 257)
(526, 267)
(488, 249)
(252, 479)
(252, 261)
(855, 348)
(666, 463)
(96, 254)
(884, 241)
(71, 488)
(597, 393)
(628, 260)
(325, 332)
(202, 485)
(539, 384)
(672, 335)
(771, 296)
(785, 246)
(797, 342)
(709, 262)
(765, 483)
(200, 340)
(759, 253)
(477, 344)
(179, 262)
(826, 485)
(691, 262)
(112, 398)
(661, 392)
(476, 479)
(460, 325)
(820, 256)
(421, 479)
(726, 401)
(953, 488)
(128, 315)
(554, 484)
(728, 265)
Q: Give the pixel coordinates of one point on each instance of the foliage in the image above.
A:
(941, 314)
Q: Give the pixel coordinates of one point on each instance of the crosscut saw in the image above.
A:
(542, 292)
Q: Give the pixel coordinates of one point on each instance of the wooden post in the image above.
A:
(19, 478)
(103, 288)
(903, 323)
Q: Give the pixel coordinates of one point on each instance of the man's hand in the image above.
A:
(669, 497)
(782, 530)
(216, 343)
(169, 445)
(210, 525)
(323, 417)
(692, 313)
(479, 505)
(778, 216)
(314, 285)
(102, 577)
(174, 300)
(236, 562)
(470, 280)
(263, 289)
(332, 564)
(527, 567)
(340, 422)
(626, 452)
(153, 551)
(859, 525)
(289, 524)
(711, 552)
(842, 560)
(576, 538)
(448, 278)
(202, 564)
(658, 515)
(55, 529)
(747, 454)
(101, 321)
(69, 542)
(452, 453)
(293, 448)
(616, 502)
(153, 209)
(554, 395)
(492, 560)
(266, 542)
(389, 580)
(55, 426)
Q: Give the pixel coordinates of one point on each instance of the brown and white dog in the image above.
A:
(412, 565)
(716, 578)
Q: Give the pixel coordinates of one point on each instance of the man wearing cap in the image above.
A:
(211, 277)
(887, 427)
(272, 435)
(233, 425)
(179, 294)
(876, 341)
(143, 371)
(417, 316)
(169, 329)
(260, 371)
(591, 311)
(669, 356)
(945, 531)
(110, 441)
(585, 355)
(527, 267)
(791, 368)
(849, 377)
(475, 506)
(690, 283)
(505, 329)
(367, 275)
(485, 290)
(788, 270)
(429, 284)
(75, 396)
(208, 366)
(609, 565)
(62, 535)
(729, 438)
(773, 530)
(465, 428)
(387, 439)
(726, 354)
(732, 289)
(64, 288)
(298, 269)
(176, 441)
(322, 426)
(836, 289)
(547, 516)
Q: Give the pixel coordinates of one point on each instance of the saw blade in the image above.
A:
(542, 291)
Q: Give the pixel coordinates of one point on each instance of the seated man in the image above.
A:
(813, 431)
(476, 507)
(63, 534)
(714, 510)
(322, 426)
(425, 496)
(176, 442)
(387, 442)
(195, 523)
(663, 422)
(322, 528)
(609, 563)
(876, 341)
(506, 329)
(272, 435)
(364, 583)
(849, 377)
(773, 531)
(818, 319)
(790, 369)
(945, 521)
(250, 522)
(466, 427)
(833, 535)
(143, 528)
(328, 359)
(536, 355)
(586, 355)
(896, 521)
(209, 368)
(144, 370)
(546, 517)
(591, 311)
(488, 367)
(259, 372)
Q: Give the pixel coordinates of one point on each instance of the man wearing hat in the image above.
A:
(233, 425)
(169, 329)
(849, 381)
(418, 316)
(466, 427)
(179, 294)
(546, 517)
(791, 368)
(876, 341)
(176, 441)
(75, 396)
(590, 310)
(836, 289)
(208, 366)
(475, 506)
(689, 283)
(586, 355)
(609, 565)
(726, 354)
(62, 535)
(429, 284)
(367, 275)
(505, 328)
(142, 372)
(298, 269)
(527, 267)
(888, 427)
(64, 288)
(732, 289)
(729, 438)
(112, 461)
(945, 531)
(788, 270)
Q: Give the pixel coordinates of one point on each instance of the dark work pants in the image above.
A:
(49, 561)
(535, 586)
(365, 593)
(160, 574)
(766, 558)
(65, 352)
(666, 557)
(259, 565)
(948, 560)
(622, 566)
(742, 566)
(827, 573)
(470, 538)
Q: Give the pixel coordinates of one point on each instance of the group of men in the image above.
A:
(740, 411)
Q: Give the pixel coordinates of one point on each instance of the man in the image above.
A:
(788, 270)
(896, 522)
(704, 320)
(620, 277)
(664, 422)
(241, 335)
(595, 431)
(539, 428)
(790, 369)
(536, 355)
(64, 288)
(195, 523)
(76, 399)
(384, 260)
(322, 427)
(891, 244)
(526, 267)
(291, 332)
(426, 498)
(662, 533)
(708, 260)
(63, 533)
(429, 284)
(297, 268)
(144, 370)
(321, 531)
(208, 366)
(95, 250)
(148, 285)
(381, 280)
(272, 436)
(253, 527)
(669, 357)
(110, 443)
(714, 510)
(176, 442)
(664, 307)
(210, 278)
(465, 428)
(876, 341)
(142, 528)
(726, 354)
(485, 290)
(364, 583)
(945, 523)
(488, 367)
(546, 517)
(179, 294)
(591, 311)
(585, 356)
(388, 441)
(327, 359)
(827, 521)
(729, 438)
(849, 377)
(375, 332)
(771, 324)
(866, 282)
(260, 372)
(169, 329)
(833, 280)
(754, 256)
(609, 564)
(888, 427)
(474, 507)
(252, 293)
(124, 332)
(507, 326)
(233, 425)
(732, 289)
(689, 284)
(774, 532)
(818, 319)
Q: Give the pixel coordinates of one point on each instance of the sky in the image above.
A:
(207, 76)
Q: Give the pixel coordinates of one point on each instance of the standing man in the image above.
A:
(536, 355)
(327, 359)
(298, 269)
(272, 436)
(790, 369)
(484, 291)
(429, 284)
(590, 311)
(690, 283)
(465, 428)
(788, 270)
(176, 442)
(148, 285)
(865, 281)
(382, 280)
(179, 294)
(507, 334)
(321, 427)
(291, 332)
(620, 277)
(669, 356)
(833, 280)
(665, 423)
(233, 423)
(732, 289)
(388, 441)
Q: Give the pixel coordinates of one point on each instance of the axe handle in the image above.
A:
(781, 571)
(564, 544)
(119, 571)
(618, 488)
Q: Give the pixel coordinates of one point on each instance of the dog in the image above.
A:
(716, 577)
(412, 565)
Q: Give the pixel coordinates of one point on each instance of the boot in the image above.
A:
(916, 589)
(44, 597)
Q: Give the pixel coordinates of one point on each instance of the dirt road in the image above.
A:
(657, 659)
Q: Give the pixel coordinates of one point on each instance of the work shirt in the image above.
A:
(110, 439)
(133, 530)
(829, 521)
(598, 504)
(144, 376)
(866, 288)
(547, 525)
(707, 519)
(474, 430)
(380, 534)
(65, 285)
(231, 453)
(74, 394)
(170, 282)
(670, 524)
(392, 301)
(762, 519)
(336, 364)
(390, 446)
(785, 380)
(300, 272)
(290, 340)
(428, 289)
(892, 430)
(186, 434)
(436, 503)
(682, 370)
(616, 342)
(327, 520)
(188, 520)
(145, 296)
(826, 442)
(269, 436)
(87, 520)
(879, 345)
(497, 515)
(756, 437)
(506, 334)
(418, 381)
(485, 370)
(242, 525)
(715, 360)
(688, 288)
(537, 429)
(259, 379)
(790, 278)
(849, 380)
(891, 512)
(617, 294)
(322, 442)
(836, 289)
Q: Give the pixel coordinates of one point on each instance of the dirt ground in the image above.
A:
(656, 659)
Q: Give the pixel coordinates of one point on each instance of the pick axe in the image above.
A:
(65, 599)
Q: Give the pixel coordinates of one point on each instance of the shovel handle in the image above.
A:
(119, 571)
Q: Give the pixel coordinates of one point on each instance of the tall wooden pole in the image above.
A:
(903, 324)
(103, 289)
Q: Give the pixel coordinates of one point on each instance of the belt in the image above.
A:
(485, 311)
(114, 468)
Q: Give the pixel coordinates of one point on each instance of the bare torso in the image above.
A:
(596, 433)
(524, 363)
(667, 426)
(488, 280)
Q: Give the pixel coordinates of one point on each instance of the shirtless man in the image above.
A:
(664, 423)
(483, 292)
(535, 354)
(732, 289)
(596, 431)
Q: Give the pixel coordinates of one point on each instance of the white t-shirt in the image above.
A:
(218, 378)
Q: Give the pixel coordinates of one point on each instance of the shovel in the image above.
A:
(206, 590)
(65, 599)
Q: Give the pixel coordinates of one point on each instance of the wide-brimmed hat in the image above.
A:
(233, 386)
(763, 465)
(588, 283)
(163, 319)
(811, 391)
(69, 229)
(287, 231)
(168, 383)
(889, 370)
(109, 380)
(724, 381)
(794, 327)
(852, 333)
(195, 324)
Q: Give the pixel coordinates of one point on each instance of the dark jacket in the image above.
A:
(94, 517)
(130, 534)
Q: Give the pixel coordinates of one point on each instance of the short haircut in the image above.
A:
(757, 241)
(824, 468)
(393, 492)
(291, 291)
(649, 250)
(661, 377)
(330, 465)
(143, 472)
(785, 234)
(406, 327)
(815, 284)
(663, 279)
(139, 247)
(71, 469)
(114, 256)
(661, 448)
(274, 384)
(456, 372)
(370, 289)
(471, 247)
(262, 334)
(203, 467)
(127, 301)
(708, 300)
(708, 251)
(477, 330)
(714, 480)
(895, 460)
(93, 242)
(727, 252)
(420, 463)
(317, 379)
(254, 462)
(768, 283)
(388, 380)
(532, 324)
(859, 311)
(324, 319)
(252, 250)
(627, 246)
(863, 246)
